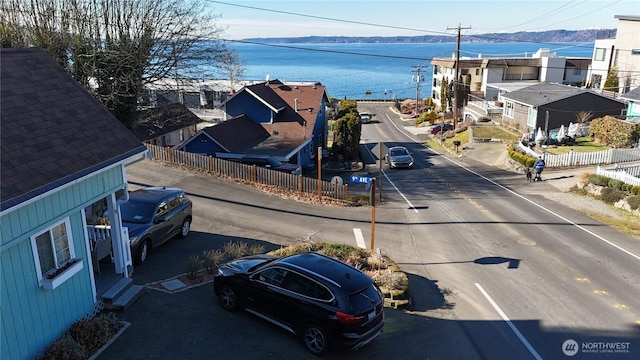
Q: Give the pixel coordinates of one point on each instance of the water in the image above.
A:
(384, 73)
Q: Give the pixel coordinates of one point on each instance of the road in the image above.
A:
(494, 274)
(525, 273)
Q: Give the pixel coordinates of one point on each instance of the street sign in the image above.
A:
(360, 179)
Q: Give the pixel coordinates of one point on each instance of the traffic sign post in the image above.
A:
(373, 211)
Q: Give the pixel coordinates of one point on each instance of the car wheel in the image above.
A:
(143, 251)
(228, 297)
(185, 228)
(315, 339)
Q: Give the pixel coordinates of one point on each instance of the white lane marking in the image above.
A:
(359, 238)
(508, 321)
(637, 257)
(399, 192)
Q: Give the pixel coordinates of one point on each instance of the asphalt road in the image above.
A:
(495, 274)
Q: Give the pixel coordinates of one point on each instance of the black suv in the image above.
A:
(153, 216)
(322, 300)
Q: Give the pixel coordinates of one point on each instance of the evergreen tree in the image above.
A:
(612, 83)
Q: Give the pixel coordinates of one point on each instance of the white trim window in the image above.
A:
(532, 116)
(509, 108)
(53, 249)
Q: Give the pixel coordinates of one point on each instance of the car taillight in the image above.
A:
(348, 319)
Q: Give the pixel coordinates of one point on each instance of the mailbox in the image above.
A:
(456, 142)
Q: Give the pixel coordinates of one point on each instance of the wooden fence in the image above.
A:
(248, 173)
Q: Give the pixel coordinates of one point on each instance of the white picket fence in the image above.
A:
(573, 158)
(629, 174)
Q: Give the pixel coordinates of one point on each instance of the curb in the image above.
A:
(108, 343)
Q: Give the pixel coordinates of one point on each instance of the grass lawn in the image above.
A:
(493, 132)
(583, 144)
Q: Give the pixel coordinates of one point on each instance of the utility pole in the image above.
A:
(418, 79)
(456, 101)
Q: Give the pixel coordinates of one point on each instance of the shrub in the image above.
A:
(192, 266)
(599, 180)
(211, 259)
(611, 195)
(635, 190)
(233, 250)
(84, 338)
(255, 249)
(634, 202)
(615, 184)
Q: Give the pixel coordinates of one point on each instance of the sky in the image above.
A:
(294, 18)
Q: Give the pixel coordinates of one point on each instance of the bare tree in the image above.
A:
(115, 47)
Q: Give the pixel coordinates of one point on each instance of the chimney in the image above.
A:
(296, 104)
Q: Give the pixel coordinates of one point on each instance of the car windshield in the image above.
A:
(137, 212)
(398, 152)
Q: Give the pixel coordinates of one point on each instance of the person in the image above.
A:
(539, 166)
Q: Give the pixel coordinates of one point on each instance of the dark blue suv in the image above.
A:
(322, 300)
(153, 216)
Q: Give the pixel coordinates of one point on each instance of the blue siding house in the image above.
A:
(61, 152)
(287, 121)
(633, 104)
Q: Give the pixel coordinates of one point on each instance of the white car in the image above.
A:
(365, 117)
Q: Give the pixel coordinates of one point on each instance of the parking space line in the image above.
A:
(359, 238)
(508, 321)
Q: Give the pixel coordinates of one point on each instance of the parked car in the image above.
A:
(399, 157)
(271, 163)
(153, 216)
(322, 300)
(434, 129)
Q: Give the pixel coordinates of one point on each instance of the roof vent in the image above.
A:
(274, 132)
(295, 102)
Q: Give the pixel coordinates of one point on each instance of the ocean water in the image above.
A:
(374, 71)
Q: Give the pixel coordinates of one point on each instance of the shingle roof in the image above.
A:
(542, 93)
(237, 133)
(52, 130)
(631, 95)
(163, 120)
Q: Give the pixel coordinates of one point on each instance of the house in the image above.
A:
(621, 52)
(542, 66)
(166, 125)
(289, 123)
(62, 151)
(549, 105)
(633, 104)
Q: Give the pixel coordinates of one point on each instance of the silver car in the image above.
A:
(399, 157)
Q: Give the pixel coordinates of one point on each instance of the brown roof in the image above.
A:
(52, 130)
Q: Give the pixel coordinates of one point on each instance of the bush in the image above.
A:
(211, 259)
(634, 202)
(635, 190)
(599, 180)
(611, 195)
(615, 184)
(84, 338)
(192, 266)
(234, 250)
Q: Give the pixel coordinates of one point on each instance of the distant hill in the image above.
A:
(551, 36)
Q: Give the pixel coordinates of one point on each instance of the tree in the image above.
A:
(115, 47)
(444, 94)
(612, 83)
(346, 131)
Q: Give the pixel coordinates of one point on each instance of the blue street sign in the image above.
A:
(361, 179)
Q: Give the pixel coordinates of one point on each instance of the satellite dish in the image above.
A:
(336, 180)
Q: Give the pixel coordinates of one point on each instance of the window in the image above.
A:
(181, 135)
(599, 54)
(577, 71)
(273, 276)
(53, 248)
(509, 109)
(635, 51)
(477, 72)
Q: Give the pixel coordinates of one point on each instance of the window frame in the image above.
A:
(509, 108)
(69, 266)
(599, 54)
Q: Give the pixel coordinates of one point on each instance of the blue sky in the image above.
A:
(269, 18)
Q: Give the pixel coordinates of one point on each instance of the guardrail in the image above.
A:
(248, 173)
